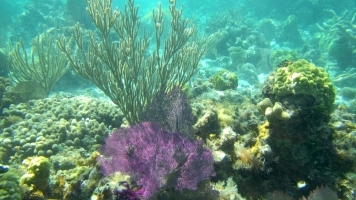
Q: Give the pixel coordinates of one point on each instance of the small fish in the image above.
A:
(4, 169)
(301, 184)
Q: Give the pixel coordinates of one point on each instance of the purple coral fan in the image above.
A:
(156, 158)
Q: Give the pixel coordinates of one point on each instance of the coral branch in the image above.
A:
(45, 65)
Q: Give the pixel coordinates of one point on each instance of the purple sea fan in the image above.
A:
(156, 159)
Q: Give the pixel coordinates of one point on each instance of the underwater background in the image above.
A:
(244, 99)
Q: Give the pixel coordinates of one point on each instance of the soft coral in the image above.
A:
(156, 158)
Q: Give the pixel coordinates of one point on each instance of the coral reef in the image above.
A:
(344, 141)
(303, 140)
(296, 140)
(78, 177)
(20, 93)
(249, 153)
(204, 191)
(237, 54)
(234, 39)
(44, 127)
(215, 114)
(264, 104)
(319, 193)
(125, 192)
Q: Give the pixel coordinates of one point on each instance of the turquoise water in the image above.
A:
(268, 86)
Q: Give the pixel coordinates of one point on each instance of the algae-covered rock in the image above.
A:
(302, 77)
(224, 80)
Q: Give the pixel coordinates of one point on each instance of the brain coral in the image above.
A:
(302, 77)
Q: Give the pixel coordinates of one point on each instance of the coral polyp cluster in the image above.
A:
(304, 78)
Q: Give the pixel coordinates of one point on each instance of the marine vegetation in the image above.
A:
(121, 65)
(46, 64)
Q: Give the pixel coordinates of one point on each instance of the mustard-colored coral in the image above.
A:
(263, 134)
(302, 77)
(36, 180)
